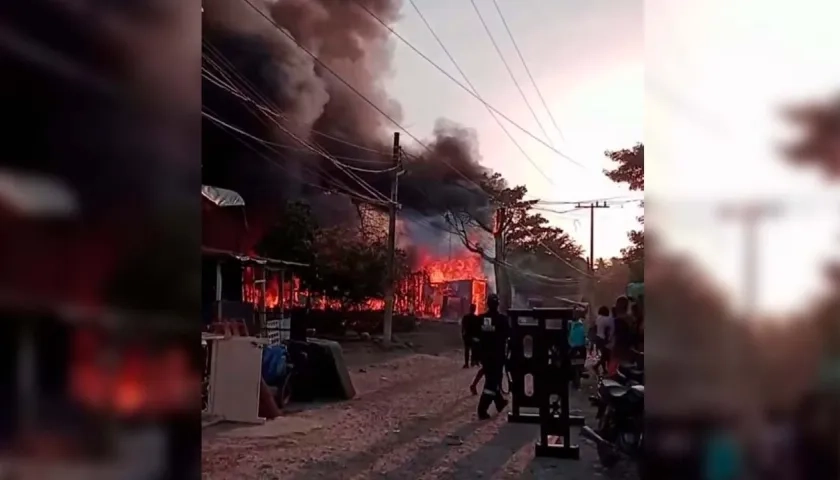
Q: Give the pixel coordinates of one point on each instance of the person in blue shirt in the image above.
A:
(723, 457)
(577, 348)
(577, 333)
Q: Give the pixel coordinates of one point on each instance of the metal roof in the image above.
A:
(250, 258)
(222, 197)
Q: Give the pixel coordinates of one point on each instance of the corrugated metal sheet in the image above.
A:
(222, 197)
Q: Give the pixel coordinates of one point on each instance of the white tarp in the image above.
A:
(222, 197)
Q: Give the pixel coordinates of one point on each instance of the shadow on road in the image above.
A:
(491, 457)
(347, 467)
(430, 455)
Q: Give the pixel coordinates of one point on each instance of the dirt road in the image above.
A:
(413, 419)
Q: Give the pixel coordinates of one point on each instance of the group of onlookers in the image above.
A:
(617, 332)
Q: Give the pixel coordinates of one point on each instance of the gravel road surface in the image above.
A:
(413, 419)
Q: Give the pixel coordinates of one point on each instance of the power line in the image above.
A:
(280, 145)
(613, 200)
(559, 212)
(528, 70)
(230, 87)
(544, 278)
(266, 110)
(472, 86)
(318, 150)
(391, 119)
(229, 128)
(312, 149)
(466, 89)
(265, 157)
(250, 101)
(238, 93)
(510, 72)
(314, 131)
(354, 90)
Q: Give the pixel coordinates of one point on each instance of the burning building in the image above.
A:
(320, 113)
(236, 284)
(448, 277)
(450, 285)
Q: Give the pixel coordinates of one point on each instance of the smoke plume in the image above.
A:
(318, 107)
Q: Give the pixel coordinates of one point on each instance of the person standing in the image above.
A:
(624, 338)
(577, 348)
(469, 326)
(604, 327)
(494, 333)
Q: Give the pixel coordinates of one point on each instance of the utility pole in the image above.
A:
(503, 288)
(750, 215)
(592, 206)
(390, 287)
(591, 281)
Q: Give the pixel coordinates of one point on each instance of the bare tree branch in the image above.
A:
(459, 224)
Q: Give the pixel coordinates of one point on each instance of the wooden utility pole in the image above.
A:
(590, 282)
(750, 215)
(592, 206)
(503, 289)
(390, 287)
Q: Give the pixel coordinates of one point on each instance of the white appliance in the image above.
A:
(234, 377)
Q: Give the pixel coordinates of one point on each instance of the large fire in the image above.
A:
(448, 278)
(439, 287)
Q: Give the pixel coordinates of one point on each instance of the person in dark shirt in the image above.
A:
(637, 311)
(493, 337)
(469, 334)
(623, 337)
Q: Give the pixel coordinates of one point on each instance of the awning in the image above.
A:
(572, 302)
(250, 258)
(222, 197)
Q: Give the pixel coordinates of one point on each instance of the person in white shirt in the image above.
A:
(604, 328)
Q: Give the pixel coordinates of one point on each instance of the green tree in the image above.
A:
(630, 170)
(611, 279)
(819, 143)
(292, 237)
(351, 268)
(344, 264)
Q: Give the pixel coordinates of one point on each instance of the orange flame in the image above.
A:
(424, 293)
(442, 273)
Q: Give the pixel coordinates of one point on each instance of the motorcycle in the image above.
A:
(620, 431)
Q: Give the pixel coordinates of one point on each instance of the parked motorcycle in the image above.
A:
(621, 408)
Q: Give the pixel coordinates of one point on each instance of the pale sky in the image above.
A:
(699, 81)
(717, 72)
(587, 59)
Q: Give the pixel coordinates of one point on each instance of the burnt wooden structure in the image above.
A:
(539, 348)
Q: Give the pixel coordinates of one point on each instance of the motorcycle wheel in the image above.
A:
(284, 393)
(606, 455)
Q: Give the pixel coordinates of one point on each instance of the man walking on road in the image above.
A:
(493, 337)
(469, 333)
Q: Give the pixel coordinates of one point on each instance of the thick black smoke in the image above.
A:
(319, 108)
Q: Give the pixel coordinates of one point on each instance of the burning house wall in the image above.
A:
(453, 276)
